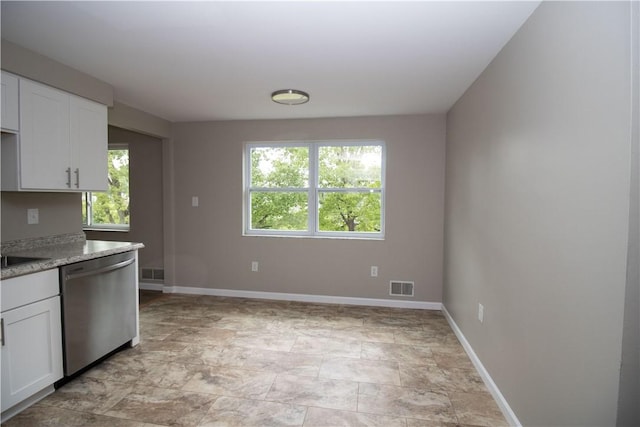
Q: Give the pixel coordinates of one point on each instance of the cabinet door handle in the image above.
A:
(2, 332)
(68, 177)
(77, 172)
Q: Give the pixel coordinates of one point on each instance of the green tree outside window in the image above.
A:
(110, 209)
(334, 189)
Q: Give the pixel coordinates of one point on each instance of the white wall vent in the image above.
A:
(401, 288)
(156, 274)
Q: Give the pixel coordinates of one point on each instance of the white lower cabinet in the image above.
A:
(31, 355)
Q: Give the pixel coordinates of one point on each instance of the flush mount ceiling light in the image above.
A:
(290, 97)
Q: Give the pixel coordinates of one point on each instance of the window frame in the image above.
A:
(87, 195)
(313, 190)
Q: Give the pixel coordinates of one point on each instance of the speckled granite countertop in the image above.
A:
(59, 250)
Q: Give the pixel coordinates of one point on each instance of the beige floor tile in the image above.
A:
(405, 402)
(336, 322)
(401, 353)
(365, 334)
(163, 406)
(327, 347)
(238, 322)
(153, 331)
(411, 422)
(228, 355)
(264, 340)
(463, 380)
(427, 377)
(451, 356)
(234, 382)
(139, 370)
(46, 416)
(418, 337)
(371, 371)
(280, 362)
(394, 321)
(85, 394)
(230, 411)
(209, 336)
(180, 320)
(323, 393)
(315, 332)
(477, 409)
(157, 350)
(319, 417)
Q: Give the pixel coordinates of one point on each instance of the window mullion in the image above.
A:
(89, 212)
(349, 190)
(278, 189)
(313, 188)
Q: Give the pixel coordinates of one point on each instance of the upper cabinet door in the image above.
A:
(88, 138)
(44, 137)
(10, 103)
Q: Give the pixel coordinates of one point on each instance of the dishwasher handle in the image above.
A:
(106, 269)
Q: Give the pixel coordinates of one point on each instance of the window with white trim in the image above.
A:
(328, 188)
(110, 210)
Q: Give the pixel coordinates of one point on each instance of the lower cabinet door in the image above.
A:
(31, 350)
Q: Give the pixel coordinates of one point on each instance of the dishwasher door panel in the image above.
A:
(99, 308)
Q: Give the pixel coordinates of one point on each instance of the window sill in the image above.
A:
(116, 229)
(314, 237)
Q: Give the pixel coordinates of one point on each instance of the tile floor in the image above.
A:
(210, 361)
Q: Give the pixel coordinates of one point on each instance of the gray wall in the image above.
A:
(60, 213)
(145, 187)
(629, 391)
(125, 117)
(27, 63)
(210, 250)
(537, 213)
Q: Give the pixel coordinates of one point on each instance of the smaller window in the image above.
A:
(110, 210)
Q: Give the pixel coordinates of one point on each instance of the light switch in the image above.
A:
(33, 216)
(195, 202)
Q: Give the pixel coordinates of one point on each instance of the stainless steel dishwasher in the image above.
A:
(99, 299)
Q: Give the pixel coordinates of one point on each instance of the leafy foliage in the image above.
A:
(283, 168)
(349, 188)
(354, 167)
(112, 207)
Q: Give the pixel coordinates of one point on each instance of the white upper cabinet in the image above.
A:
(44, 138)
(10, 109)
(88, 160)
(62, 145)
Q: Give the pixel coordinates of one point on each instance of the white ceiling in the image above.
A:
(193, 61)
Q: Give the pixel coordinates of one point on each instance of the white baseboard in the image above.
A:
(325, 299)
(508, 413)
(151, 286)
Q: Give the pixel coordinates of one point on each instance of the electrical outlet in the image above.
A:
(254, 266)
(33, 216)
(374, 271)
(195, 202)
(481, 313)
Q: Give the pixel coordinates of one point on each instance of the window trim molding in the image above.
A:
(312, 191)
